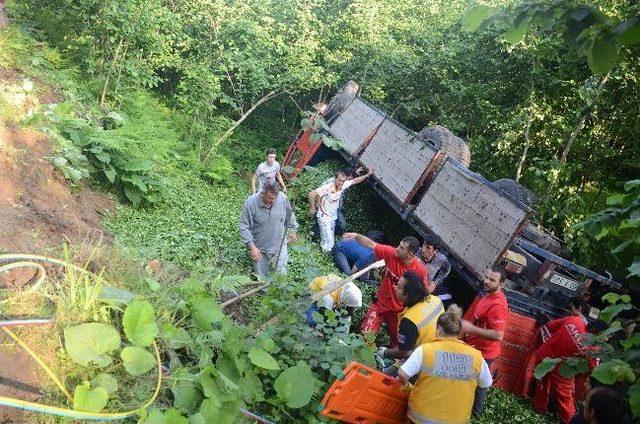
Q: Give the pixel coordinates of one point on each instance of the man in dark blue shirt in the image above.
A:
(350, 256)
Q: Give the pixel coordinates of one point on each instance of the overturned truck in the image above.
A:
(424, 177)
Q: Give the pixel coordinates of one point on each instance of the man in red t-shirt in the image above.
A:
(387, 305)
(564, 341)
(489, 315)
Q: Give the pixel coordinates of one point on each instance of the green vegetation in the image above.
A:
(171, 105)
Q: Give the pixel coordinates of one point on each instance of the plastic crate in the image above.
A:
(514, 367)
(366, 396)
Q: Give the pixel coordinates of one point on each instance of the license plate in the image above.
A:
(564, 282)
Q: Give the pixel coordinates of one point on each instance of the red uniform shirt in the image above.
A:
(490, 312)
(565, 340)
(387, 299)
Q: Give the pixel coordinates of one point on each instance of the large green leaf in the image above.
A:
(106, 381)
(613, 371)
(295, 386)
(139, 323)
(90, 400)
(628, 31)
(632, 341)
(517, 32)
(615, 298)
(476, 16)
(634, 268)
(208, 413)
(136, 360)
(545, 367)
(611, 311)
(571, 367)
(206, 311)
(207, 381)
(175, 337)
(603, 55)
(133, 194)
(263, 359)
(186, 391)
(169, 416)
(90, 342)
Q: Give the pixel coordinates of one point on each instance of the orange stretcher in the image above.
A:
(366, 396)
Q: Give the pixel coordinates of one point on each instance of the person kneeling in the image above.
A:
(347, 298)
(449, 372)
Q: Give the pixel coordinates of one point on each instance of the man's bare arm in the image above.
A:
(363, 240)
(361, 178)
(485, 333)
(313, 202)
(253, 183)
(281, 181)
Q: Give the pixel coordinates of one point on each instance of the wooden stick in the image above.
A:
(245, 294)
(332, 287)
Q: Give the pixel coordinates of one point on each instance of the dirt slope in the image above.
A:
(39, 210)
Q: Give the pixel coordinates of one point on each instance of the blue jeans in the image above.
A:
(480, 396)
(342, 262)
(310, 310)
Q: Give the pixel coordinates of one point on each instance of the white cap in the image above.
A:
(351, 296)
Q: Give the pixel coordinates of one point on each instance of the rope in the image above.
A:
(32, 261)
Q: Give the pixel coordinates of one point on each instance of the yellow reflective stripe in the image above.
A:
(432, 315)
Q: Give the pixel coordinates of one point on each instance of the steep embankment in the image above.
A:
(39, 211)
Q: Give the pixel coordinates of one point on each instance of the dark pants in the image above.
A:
(342, 262)
(480, 396)
(341, 223)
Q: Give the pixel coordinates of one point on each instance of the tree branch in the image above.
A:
(235, 125)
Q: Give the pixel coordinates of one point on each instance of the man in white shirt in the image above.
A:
(267, 172)
(324, 202)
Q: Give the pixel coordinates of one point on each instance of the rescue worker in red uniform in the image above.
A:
(489, 314)
(398, 260)
(564, 340)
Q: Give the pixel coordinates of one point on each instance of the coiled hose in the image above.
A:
(36, 261)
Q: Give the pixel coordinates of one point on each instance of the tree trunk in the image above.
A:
(235, 125)
(585, 114)
(527, 143)
(574, 134)
(106, 80)
(4, 20)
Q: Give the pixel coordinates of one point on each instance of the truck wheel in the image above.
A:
(517, 191)
(447, 142)
(341, 100)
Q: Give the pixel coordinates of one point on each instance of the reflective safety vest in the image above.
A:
(446, 384)
(425, 316)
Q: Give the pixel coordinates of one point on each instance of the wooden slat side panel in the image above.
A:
(355, 124)
(474, 222)
(398, 160)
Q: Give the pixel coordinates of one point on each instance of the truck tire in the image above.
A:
(341, 100)
(516, 191)
(447, 142)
